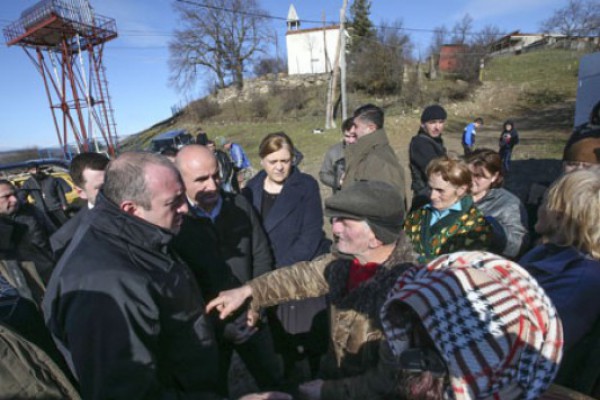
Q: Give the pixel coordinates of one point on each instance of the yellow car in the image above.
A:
(17, 174)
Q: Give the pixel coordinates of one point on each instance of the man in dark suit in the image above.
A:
(221, 239)
(87, 172)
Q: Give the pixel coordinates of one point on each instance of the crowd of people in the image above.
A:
(178, 260)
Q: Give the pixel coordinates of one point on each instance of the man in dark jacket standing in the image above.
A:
(426, 145)
(224, 244)
(24, 232)
(372, 157)
(48, 193)
(125, 312)
(334, 163)
(87, 172)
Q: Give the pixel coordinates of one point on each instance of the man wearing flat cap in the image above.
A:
(426, 145)
(370, 252)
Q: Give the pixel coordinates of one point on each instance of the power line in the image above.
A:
(308, 21)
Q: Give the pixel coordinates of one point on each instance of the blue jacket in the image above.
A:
(468, 138)
(238, 156)
(295, 223)
(571, 279)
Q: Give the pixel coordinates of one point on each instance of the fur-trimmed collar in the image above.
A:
(369, 296)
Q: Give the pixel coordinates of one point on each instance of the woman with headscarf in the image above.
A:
(471, 325)
(450, 221)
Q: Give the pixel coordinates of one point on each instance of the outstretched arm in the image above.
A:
(229, 301)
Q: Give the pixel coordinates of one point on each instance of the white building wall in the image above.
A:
(306, 51)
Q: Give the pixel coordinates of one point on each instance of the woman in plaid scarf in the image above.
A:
(472, 325)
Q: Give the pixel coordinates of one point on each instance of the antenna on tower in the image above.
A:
(65, 41)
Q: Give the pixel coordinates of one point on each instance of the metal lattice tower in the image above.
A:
(65, 41)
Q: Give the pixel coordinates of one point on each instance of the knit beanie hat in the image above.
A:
(221, 141)
(496, 330)
(378, 203)
(584, 150)
(432, 112)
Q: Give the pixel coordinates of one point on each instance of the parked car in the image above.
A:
(175, 139)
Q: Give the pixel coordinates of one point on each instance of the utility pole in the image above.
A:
(331, 94)
(329, 123)
(343, 60)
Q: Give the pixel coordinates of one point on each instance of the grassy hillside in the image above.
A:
(537, 89)
(550, 71)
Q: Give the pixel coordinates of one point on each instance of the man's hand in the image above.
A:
(229, 301)
(311, 390)
(239, 331)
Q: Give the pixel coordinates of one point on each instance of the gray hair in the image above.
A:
(126, 178)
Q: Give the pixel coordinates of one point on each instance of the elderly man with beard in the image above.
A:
(370, 252)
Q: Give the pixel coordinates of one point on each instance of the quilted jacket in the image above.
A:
(350, 366)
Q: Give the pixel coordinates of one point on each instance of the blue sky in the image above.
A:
(137, 61)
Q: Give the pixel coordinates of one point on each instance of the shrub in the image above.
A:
(293, 99)
(204, 109)
(542, 97)
(269, 65)
(260, 107)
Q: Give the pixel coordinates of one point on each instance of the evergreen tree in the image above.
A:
(362, 27)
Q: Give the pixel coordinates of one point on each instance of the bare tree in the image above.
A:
(577, 18)
(469, 61)
(440, 37)
(221, 36)
(462, 30)
(486, 36)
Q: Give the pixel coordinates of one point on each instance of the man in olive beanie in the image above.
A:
(370, 253)
(426, 145)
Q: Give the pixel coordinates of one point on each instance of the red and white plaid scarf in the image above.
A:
(495, 328)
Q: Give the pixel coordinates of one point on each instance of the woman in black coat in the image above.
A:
(289, 203)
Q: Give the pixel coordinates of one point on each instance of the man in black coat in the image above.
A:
(223, 242)
(87, 172)
(48, 193)
(426, 145)
(124, 310)
(24, 232)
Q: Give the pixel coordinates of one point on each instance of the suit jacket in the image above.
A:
(62, 237)
(227, 253)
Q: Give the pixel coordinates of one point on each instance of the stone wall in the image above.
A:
(267, 84)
